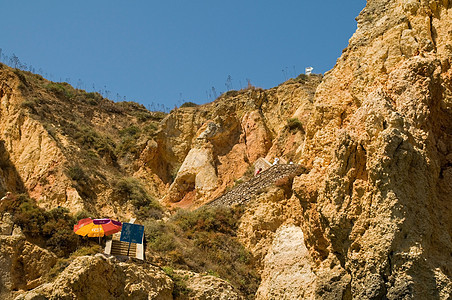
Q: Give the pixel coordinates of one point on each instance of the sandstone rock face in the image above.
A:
(24, 265)
(65, 147)
(33, 154)
(231, 134)
(287, 267)
(375, 212)
(89, 277)
(373, 208)
(258, 136)
(370, 220)
(208, 287)
(9, 178)
(198, 171)
(73, 161)
(264, 216)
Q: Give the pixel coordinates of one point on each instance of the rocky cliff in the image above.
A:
(368, 218)
(375, 205)
(215, 144)
(69, 148)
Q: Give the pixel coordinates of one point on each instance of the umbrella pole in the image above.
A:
(128, 249)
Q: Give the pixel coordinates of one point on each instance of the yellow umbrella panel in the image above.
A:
(97, 227)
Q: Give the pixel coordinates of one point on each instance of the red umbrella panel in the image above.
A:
(97, 227)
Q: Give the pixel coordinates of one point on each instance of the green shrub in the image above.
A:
(204, 241)
(158, 236)
(129, 138)
(131, 190)
(93, 98)
(23, 80)
(131, 131)
(302, 78)
(189, 104)
(53, 228)
(87, 250)
(231, 93)
(87, 137)
(83, 214)
(294, 124)
(127, 145)
(150, 128)
(76, 173)
(29, 104)
(51, 131)
(218, 219)
(60, 89)
(90, 139)
(59, 266)
(238, 181)
(158, 115)
(142, 116)
(180, 286)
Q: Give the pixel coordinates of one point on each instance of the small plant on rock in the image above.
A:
(295, 125)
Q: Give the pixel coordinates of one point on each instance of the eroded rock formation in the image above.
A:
(95, 277)
(376, 203)
(371, 216)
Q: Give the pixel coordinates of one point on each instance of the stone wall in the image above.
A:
(245, 191)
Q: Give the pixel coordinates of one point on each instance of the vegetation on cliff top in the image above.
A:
(100, 138)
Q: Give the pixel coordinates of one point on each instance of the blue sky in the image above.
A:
(169, 52)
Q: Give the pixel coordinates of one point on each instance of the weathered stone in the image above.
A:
(95, 277)
(208, 287)
(24, 265)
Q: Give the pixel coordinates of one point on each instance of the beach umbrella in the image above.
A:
(97, 227)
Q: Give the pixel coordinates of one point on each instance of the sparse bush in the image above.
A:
(76, 173)
(142, 116)
(60, 265)
(231, 93)
(53, 228)
(51, 131)
(180, 286)
(294, 124)
(87, 250)
(189, 104)
(93, 98)
(131, 190)
(131, 131)
(238, 181)
(90, 139)
(249, 173)
(302, 78)
(83, 214)
(218, 219)
(87, 137)
(132, 106)
(29, 104)
(129, 138)
(61, 89)
(158, 236)
(23, 80)
(127, 145)
(151, 127)
(203, 241)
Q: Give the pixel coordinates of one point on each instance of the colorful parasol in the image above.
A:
(97, 227)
